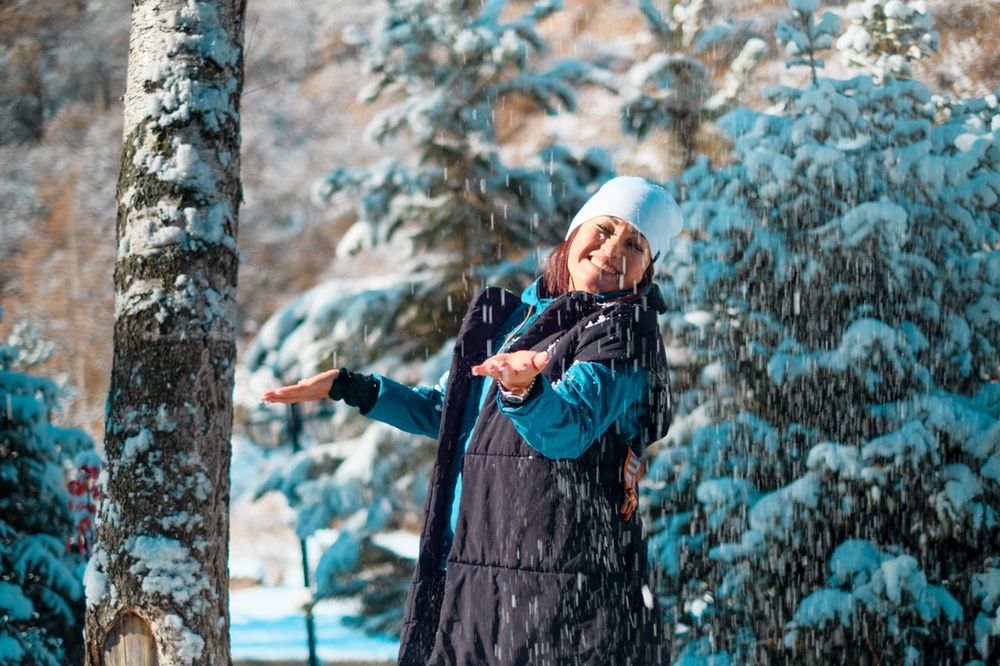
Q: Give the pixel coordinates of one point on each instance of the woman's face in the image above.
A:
(607, 254)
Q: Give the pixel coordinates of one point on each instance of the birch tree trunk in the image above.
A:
(157, 582)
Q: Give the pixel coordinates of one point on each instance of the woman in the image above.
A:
(530, 551)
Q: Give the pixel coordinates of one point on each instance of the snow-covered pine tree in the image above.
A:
(803, 36)
(157, 583)
(885, 37)
(41, 586)
(449, 69)
(672, 89)
(830, 491)
(444, 217)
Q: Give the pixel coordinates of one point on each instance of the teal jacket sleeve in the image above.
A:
(562, 421)
(415, 410)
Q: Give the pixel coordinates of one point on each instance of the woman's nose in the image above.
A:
(612, 246)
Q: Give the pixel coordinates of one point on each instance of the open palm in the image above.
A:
(316, 387)
(514, 370)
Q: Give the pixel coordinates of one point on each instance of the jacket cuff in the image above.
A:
(355, 389)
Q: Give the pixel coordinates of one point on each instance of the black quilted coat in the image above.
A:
(543, 569)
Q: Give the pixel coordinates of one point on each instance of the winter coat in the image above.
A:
(543, 569)
(561, 422)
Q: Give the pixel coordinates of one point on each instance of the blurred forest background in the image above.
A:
(61, 81)
(864, 170)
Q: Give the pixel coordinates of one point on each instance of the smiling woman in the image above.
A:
(607, 254)
(531, 551)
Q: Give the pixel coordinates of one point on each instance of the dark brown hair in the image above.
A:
(555, 279)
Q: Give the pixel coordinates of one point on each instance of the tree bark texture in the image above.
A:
(157, 584)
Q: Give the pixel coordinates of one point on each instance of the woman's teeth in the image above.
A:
(605, 268)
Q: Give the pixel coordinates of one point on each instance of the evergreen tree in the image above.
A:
(448, 69)
(885, 37)
(830, 486)
(672, 88)
(802, 36)
(446, 216)
(41, 591)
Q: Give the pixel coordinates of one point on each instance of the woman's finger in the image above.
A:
(293, 393)
(527, 365)
(276, 395)
(482, 369)
(512, 366)
(268, 394)
(316, 387)
(490, 366)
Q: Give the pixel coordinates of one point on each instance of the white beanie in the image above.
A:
(645, 205)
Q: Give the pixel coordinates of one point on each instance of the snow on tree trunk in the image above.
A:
(158, 577)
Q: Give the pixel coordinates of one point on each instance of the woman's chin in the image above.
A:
(594, 281)
(587, 287)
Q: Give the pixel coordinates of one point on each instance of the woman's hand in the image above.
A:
(316, 387)
(514, 370)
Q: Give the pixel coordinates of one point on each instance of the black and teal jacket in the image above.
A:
(561, 420)
(542, 568)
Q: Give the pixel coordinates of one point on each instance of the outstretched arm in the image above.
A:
(415, 410)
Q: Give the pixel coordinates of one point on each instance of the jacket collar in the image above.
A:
(650, 296)
(531, 296)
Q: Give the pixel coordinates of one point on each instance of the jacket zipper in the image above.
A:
(513, 335)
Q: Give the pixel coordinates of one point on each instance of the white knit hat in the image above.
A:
(645, 205)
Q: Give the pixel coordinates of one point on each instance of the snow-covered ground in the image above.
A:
(268, 623)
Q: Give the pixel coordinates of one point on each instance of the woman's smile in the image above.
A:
(607, 254)
(603, 265)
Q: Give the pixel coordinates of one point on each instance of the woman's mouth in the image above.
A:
(604, 267)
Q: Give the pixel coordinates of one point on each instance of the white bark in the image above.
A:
(158, 580)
